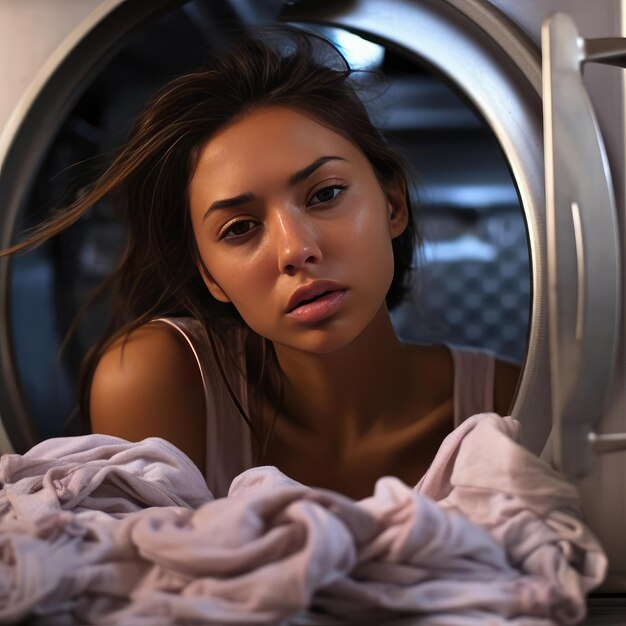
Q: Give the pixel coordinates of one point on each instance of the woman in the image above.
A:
(270, 233)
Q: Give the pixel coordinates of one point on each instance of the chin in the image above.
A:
(321, 340)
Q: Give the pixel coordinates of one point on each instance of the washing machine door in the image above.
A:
(583, 248)
(585, 280)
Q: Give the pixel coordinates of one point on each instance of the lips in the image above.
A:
(312, 291)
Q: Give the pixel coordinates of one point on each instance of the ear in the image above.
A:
(398, 209)
(214, 289)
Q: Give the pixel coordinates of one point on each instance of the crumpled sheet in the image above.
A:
(98, 530)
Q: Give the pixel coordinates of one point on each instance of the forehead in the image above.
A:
(272, 141)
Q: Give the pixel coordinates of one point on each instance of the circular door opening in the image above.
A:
(473, 276)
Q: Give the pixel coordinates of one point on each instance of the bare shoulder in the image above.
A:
(148, 384)
(506, 378)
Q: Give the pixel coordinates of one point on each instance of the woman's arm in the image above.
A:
(150, 386)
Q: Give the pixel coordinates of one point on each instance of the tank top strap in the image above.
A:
(228, 440)
(474, 371)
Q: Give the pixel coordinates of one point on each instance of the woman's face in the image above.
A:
(285, 210)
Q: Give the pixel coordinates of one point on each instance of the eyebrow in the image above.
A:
(305, 172)
(294, 179)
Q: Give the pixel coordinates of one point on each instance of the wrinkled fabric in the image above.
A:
(98, 530)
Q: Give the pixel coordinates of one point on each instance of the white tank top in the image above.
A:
(229, 440)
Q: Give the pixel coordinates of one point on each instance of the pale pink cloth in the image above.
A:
(104, 531)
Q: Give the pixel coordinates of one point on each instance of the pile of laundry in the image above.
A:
(98, 530)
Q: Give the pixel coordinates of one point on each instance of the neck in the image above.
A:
(343, 394)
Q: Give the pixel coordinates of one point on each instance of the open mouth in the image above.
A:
(321, 295)
(315, 299)
(320, 307)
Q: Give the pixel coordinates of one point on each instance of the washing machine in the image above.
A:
(525, 210)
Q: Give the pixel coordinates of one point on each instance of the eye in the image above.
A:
(326, 194)
(237, 229)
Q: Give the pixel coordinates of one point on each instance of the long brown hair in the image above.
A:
(158, 274)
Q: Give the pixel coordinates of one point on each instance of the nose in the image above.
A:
(297, 242)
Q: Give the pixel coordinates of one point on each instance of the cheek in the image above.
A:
(371, 241)
(242, 279)
(216, 272)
